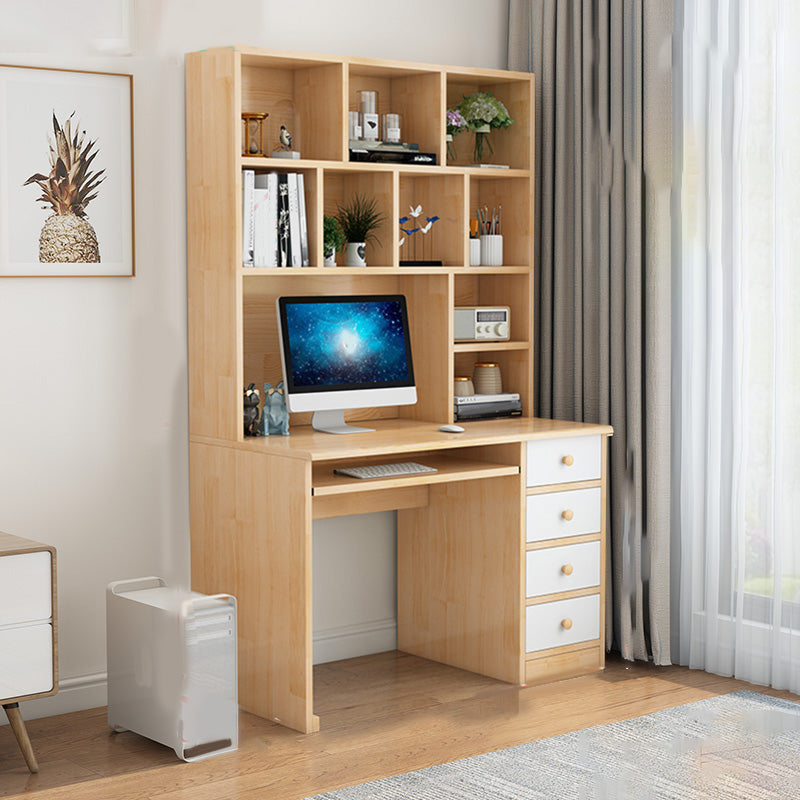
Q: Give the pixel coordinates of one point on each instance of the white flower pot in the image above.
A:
(329, 258)
(356, 252)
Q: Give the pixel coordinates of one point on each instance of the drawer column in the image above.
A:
(565, 557)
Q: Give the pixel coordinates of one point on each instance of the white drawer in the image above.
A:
(544, 628)
(561, 569)
(563, 460)
(25, 594)
(558, 514)
(26, 660)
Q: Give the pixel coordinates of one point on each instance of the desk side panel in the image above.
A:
(251, 537)
(459, 593)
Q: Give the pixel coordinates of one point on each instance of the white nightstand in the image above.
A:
(28, 630)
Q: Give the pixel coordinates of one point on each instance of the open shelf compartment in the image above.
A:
(427, 299)
(439, 232)
(414, 94)
(306, 95)
(512, 146)
(511, 198)
(340, 187)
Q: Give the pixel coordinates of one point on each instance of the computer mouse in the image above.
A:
(451, 428)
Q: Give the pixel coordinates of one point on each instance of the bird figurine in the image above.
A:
(286, 139)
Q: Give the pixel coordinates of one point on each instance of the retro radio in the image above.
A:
(481, 322)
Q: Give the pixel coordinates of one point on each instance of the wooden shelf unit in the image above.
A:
(233, 329)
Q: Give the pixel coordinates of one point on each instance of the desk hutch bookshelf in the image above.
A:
(470, 546)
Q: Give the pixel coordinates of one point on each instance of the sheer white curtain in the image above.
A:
(737, 330)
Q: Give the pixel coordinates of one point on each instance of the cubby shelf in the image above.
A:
(233, 330)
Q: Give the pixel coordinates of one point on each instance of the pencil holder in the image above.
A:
(492, 250)
(474, 252)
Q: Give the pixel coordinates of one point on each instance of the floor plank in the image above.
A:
(380, 715)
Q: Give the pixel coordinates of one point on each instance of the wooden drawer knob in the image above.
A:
(567, 569)
(568, 461)
(567, 515)
(566, 624)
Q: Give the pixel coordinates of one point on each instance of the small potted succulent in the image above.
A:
(333, 240)
(483, 111)
(359, 219)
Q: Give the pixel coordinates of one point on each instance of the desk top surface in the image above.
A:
(397, 436)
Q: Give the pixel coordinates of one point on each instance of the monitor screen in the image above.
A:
(346, 352)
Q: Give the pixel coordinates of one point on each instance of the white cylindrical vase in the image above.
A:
(492, 250)
(474, 252)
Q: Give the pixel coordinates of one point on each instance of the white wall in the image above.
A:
(93, 386)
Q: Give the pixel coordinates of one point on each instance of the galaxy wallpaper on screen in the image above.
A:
(347, 344)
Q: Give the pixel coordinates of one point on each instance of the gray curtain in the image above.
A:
(602, 265)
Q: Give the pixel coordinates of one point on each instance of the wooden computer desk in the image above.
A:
(468, 546)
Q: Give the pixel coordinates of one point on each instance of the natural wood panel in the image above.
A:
(251, 537)
(440, 196)
(337, 505)
(459, 590)
(431, 331)
(213, 183)
(402, 436)
(416, 96)
(550, 598)
(449, 468)
(567, 664)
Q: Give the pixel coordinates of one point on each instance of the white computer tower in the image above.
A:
(172, 666)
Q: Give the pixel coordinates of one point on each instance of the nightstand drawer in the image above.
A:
(558, 514)
(562, 569)
(562, 622)
(563, 460)
(25, 590)
(26, 660)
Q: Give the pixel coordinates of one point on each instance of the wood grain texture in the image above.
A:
(397, 436)
(459, 593)
(17, 724)
(213, 186)
(251, 537)
(404, 712)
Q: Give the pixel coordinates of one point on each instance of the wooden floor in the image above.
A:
(380, 715)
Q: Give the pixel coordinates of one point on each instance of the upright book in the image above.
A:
(284, 234)
(265, 250)
(248, 219)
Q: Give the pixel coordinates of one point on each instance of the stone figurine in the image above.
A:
(275, 418)
(251, 401)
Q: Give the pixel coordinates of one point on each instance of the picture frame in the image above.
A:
(66, 173)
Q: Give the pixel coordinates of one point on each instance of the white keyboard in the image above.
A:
(385, 470)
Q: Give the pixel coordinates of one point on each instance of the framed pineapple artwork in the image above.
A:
(66, 173)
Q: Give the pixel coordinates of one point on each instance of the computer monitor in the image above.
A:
(345, 352)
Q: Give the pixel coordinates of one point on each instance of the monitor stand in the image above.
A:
(333, 422)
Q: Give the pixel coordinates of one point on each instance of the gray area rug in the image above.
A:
(742, 745)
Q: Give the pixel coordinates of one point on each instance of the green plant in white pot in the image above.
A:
(333, 240)
(359, 219)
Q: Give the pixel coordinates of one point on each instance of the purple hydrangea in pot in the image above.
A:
(455, 125)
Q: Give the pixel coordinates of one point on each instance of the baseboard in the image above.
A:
(74, 694)
(350, 641)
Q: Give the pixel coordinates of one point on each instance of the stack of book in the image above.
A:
(274, 229)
